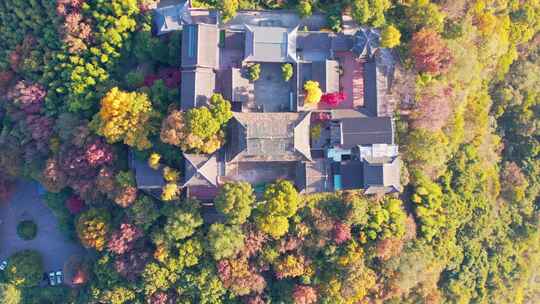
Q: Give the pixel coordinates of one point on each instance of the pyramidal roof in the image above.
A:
(366, 42)
(200, 170)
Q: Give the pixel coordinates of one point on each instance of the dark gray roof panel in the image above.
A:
(327, 74)
(366, 42)
(382, 176)
(200, 46)
(342, 43)
(197, 86)
(373, 174)
(371, 98)
(146, 177)
(351, 175)
(269, 137)
(308, 41)
(366, 131)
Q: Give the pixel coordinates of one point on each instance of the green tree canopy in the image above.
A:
(181, 221)
(25, 268)
(224, 241)
(235, 201)
(281, 198)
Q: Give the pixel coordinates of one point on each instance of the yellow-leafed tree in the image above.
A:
(153, 161)
(313, 92)
(390, 37)
(127, 117)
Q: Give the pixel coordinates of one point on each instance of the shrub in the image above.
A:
(254, 72)
(304, 8)
(134, 79)
(27, 230)
(390, 37)
(287, 71)
(153, 161)
(316, 131)
(313, 92)
(10, 294)
(25, 268)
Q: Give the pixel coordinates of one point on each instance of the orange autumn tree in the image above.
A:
(430, 53)
(126, 117)
(93, 228)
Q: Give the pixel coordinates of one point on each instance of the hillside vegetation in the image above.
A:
(81, 81)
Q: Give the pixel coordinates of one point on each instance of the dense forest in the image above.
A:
(84, 81)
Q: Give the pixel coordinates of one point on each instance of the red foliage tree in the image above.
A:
(40, 129)
(124, 239)
(160, 297)
(24, 52)
(99, 153)
(73, 161)
(333, 99)
(342, 233)
(430, 53)
(75, 204)
(304, 295)
(253, 243)
(388, 248)
(239, 277)
(150, 79)
(27, 96)
(320, 116)
(433, 109)
(290, 243)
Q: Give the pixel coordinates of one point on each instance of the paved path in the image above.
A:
(26, 203)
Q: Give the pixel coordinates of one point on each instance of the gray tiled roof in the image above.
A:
(237, 87)
(197, 86)
(327, 74)
(200, 170)
(381, 175)
(363, 131)
(270, 44)
(351, 175)
(269, 137)
(200, 46)
(146, 177)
